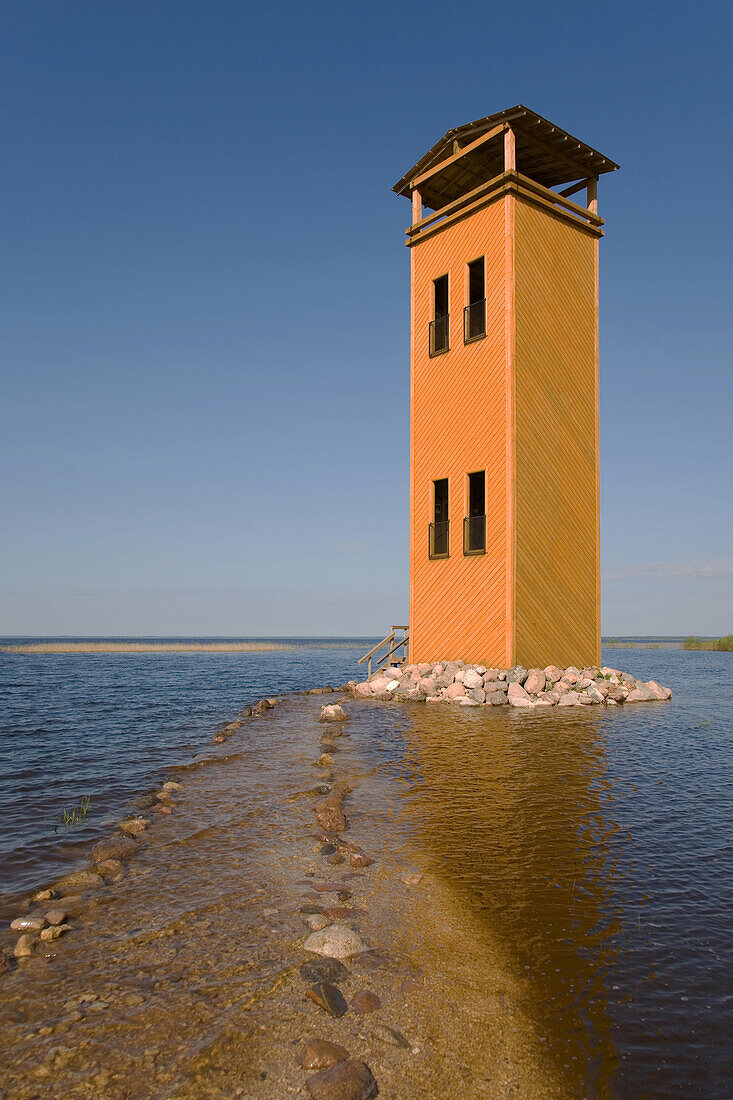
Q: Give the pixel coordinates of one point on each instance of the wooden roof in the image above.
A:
(545, 153)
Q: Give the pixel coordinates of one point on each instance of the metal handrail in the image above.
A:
(474, 526)
(474, 321)
(438, 335)
(439, 533)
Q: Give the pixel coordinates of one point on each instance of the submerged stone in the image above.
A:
(349, 1080)
(320, 1054)
(338, 942)
(323, 970)
(328, 997)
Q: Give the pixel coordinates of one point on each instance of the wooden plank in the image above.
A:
(457, 156)
(510, 150)
(510, 181)
(455, 204)
(593, 195)
(416, 206)
(554, 197)
(554, 154)
(568, 191)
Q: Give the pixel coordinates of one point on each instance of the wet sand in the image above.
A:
(183, 979)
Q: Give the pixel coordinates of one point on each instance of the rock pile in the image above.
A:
(475, 685)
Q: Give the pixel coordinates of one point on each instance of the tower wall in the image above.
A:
(459, 606)
(556, 416)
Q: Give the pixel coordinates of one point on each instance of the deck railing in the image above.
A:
(393, 644)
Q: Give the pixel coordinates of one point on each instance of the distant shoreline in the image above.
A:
(145, 647)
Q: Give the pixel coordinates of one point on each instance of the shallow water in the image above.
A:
(596, 846)
(576, 902)
(107, 725)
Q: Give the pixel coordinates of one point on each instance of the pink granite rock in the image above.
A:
(569, 699)
(536, 681)
(518, 697)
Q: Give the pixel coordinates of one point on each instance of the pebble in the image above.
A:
(316, 921)
(323, 970)
(320, 1054)
(110, 868)
(350, 1080)
(43, 895)
(337, 942)
(359, 859)
(160, 809)
(412, 880)
(171, 785)
(133, 999)
(334, 713)
(54, 932)
(392, 1036)
(134, 826)
(27, 924)
(343, 912)
(325, 760)
(79, 880)
(328, 997)
(365, 1001)
(56, 916)
(411, 986)
(329, 812)
(143, 802)
(25, 946)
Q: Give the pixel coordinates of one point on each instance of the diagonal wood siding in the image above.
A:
(459, 424)
(556, 394)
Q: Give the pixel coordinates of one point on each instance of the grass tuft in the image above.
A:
(75, 814)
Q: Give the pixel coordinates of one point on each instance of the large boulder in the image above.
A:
(516, 675)
(536, 681)
(472, 679)
(517, 696)
(454, 691)
(659, 691)
(569, 699)
(642, 694)
(496, 699)
(116, 847)
(553, 673)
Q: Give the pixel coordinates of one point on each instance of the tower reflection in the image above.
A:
(513, 811)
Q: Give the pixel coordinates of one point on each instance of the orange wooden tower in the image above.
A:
(504, 531)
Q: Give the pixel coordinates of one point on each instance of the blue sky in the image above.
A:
(205, 301)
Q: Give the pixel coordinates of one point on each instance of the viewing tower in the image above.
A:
(504, 515)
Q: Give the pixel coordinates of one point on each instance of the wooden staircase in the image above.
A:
(393, 644)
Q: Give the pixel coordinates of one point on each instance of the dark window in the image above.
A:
(439, 324)
(474, 315)
(439, 526)
(474, 525)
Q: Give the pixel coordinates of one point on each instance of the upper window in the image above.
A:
(439, 324)
(474, 314)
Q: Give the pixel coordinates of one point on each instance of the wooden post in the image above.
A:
(593, 195)
(510, 150)
(416, 206)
